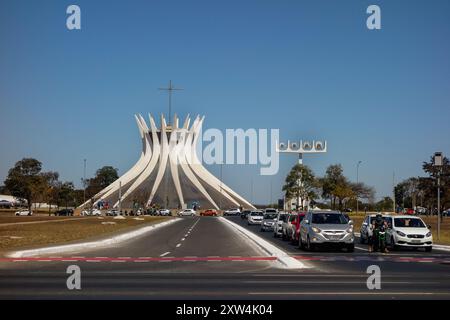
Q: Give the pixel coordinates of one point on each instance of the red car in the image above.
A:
(209, 213)
(409, 211)
(295, 232)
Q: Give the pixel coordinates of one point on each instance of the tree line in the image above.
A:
(334, 186)
(27, 181)
(422, 191)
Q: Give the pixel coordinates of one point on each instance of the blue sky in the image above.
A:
(310, 68)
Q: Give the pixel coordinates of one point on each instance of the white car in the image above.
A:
(278, 227)
(93, 212)
(232, 212)
(187, 213)
(409, 231)
(164, 212)
(113, 212)
(24, 213)
(255, 217)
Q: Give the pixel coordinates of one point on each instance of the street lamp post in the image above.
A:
(84, 182)
(438, 161)
(357, 182)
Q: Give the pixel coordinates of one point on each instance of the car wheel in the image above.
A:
(309, 246)
(394, 247)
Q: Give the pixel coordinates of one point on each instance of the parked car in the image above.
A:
(278, 226)
(24, 213)
(64, 212)
(113, 213)
(326, 227)
(294, 231)
(409, 211)
(255, 217)
(406, 231)
(245, 213)
(93, 212)
(268, 221)
(164, 212)
(232, 212)
(209, 213)
(187, 213)
(270, 210)
(5, 204)
(287, 226)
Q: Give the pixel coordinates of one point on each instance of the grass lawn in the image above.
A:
(22, 236)
(431, 221)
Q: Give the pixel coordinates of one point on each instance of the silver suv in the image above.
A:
(326, 227)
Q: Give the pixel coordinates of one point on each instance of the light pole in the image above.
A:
(438, 161)
(220, 201)
(357, 182)
(84, 182)
(300, 148)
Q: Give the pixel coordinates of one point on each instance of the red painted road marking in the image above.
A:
(147, 259)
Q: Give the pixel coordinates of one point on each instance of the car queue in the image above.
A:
(311, 230)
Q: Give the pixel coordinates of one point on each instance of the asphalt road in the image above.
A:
(204, 258)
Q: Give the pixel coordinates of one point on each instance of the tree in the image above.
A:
(24, 180)
(330, 182)
(103, 178)
(300, 183)
(384, 204)
(66, 193)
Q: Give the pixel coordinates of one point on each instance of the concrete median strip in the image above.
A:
(282, 257)
(92, 244)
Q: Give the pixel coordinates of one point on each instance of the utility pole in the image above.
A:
(357, 182)
(84, 182)
(120, 197)
(170, 89)
(393, 190)
(220, 200)
(438, 162)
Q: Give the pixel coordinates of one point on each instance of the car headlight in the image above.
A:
(349, 230)
(316, 230)
(428, 234)
(401, 234)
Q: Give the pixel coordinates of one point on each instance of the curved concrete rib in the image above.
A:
(201, 171)
(150, 165)
(130, 174)
(162, 160)
(174, 149)
(127, 178)
(212, 180)
(184, 158)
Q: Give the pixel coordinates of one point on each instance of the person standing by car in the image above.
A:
(370, 229)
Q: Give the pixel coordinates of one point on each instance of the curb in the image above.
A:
(282, 257)
(90, 245)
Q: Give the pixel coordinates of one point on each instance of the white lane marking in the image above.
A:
(363, 249)
(118, 261)
(332, 282)
(337, 293)
(186, 234)
(182, 239)
(165, 254)
(178, 245)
